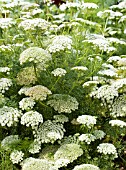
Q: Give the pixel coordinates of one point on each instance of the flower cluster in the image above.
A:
(119, 123)
(68, 151)
(88, 138)
(37, 92)
(60, 43)
(106, 93)
(35, 55)
(68, 5)
(89, 6)
(9, 141)
(6, 23)
(107, 148)
(118, 108)
(61, 162)
(34, 147)
(26, 76)
(90, 83)
(26, 103)
(99, 134)
(36, 164)
(5, 70)
(33, 24)
(79, 68)
(31, 118)
(49, 132)
(60, 118)
(5, 83)
(121, 5)
(16, 156)
(59, 72)
(86, 167)
(6, 48)
(9, 116)
(109, 13)
(87, 120)
(63, 103)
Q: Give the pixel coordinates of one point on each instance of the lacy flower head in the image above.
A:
(68, 151)
(88, 138)
(6, 23)
(33, 24)
(9, 141)
(49, 132)
(109, 13)
(35, 55)
(36, 164)
(60, 43)
(86, 167)
(16, 156)
(59, 72)
(99, 134)
(87, 120)
(118, 107)
(26, 103)
(26, 76)
(9, 116)
(79, 68)
(63, 103)
(37, 92)
(31, 118)
(5, 70)
(5, 83)
(118, 123)
(60, 118)
(34, 147)
(107, 148)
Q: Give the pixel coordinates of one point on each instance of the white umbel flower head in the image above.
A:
(59, 72)
(26, 103)
(49, 132)
(9, 116)
(61, 162)
(118, 123)
(63, 103)
(5, 70)
(37, 92)
(16, 156)
(88, 138)
(31, 118)
(87, 120)
(79, 68)
(6, 23)
(99, 134)
(34, 147)
(86, 167)
(35, 55)
(60, 118)
(36, 164)
(60, 43)
(36, 23)
(68, 151)
(107, 148)
(5, 83)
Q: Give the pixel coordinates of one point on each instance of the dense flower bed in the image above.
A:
(62, 86)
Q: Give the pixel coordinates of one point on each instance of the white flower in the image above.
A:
(89, 5)
(86, 167)
(99, 134)
(107, 148)
(60, 43)
(5, 83)
(60, 118)
(59, 72)
(35, 55)
(61, 162)
(79, 68)
(33, 24)
(5, 70)
(68, 151)
(26, 103)
(31, 118)
(122, 62)
(113, 58)
(16, 156)
(63, 103)
(49, 132)
(88, 138)
(36, 164)
(9, 141)
(37, 92)
(34, 147)
(6, 23)
(108, 72)
(119, 123)
(9, 116)
(109, 13)
(87, 120)
(88, 83)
